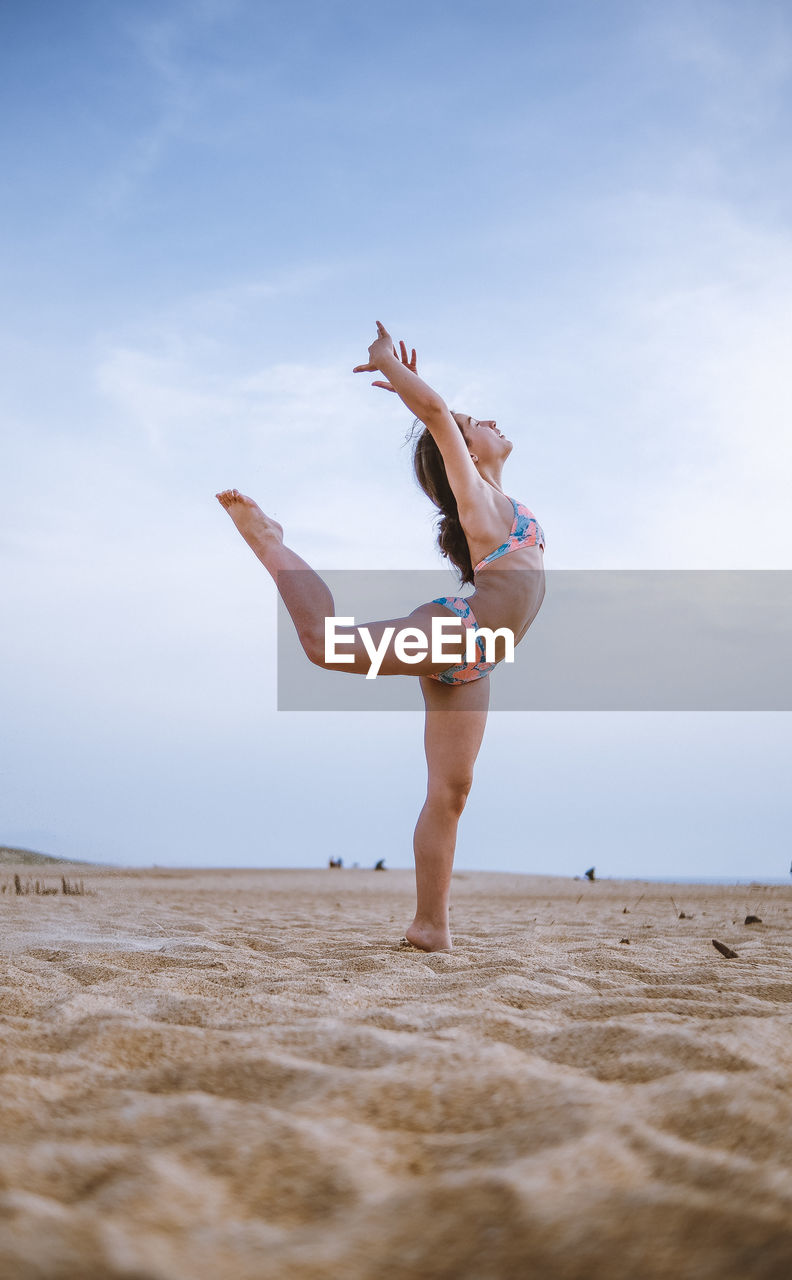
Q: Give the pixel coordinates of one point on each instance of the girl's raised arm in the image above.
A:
(432, 410)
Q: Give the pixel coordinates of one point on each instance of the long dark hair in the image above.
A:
(431, 475)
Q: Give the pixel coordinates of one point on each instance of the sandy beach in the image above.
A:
(240, 1074)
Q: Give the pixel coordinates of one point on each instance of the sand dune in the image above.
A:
(13, 857)
(240, 1074)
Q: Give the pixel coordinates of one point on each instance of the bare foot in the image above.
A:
(257, 529)
(428, 938)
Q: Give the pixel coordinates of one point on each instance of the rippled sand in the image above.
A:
(233, 1075)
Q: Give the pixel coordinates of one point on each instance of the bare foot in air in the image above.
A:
(428, 938)
(258, 530)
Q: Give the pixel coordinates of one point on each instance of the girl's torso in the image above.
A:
(506, 535)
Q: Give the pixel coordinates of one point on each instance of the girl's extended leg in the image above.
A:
(455, 720)
(309, 600)
(305, 595)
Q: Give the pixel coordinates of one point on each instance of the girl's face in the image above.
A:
(483, 438)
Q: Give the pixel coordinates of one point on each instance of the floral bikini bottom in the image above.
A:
(463, 671)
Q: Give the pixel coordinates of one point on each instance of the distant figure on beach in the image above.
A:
(487, 536)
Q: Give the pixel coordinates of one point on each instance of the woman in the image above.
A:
(487, 536)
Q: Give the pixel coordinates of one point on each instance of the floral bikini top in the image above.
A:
(525, 532)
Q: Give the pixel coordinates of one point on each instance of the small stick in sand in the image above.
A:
(724, 950)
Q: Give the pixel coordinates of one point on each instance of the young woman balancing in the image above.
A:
(488, 537)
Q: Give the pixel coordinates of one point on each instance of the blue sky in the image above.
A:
(578, 213)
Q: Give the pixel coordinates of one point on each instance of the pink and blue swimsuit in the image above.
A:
(525, 532)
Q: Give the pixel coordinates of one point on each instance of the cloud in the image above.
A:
(656, 380)
(177, 88)
(317, 451)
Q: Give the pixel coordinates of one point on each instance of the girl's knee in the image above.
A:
(313, 644)
(451, 794)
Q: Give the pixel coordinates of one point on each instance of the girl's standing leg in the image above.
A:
(454, 728)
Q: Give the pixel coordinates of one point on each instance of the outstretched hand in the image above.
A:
(408, 364)
(382, 347)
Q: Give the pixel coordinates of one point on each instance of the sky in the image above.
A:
(581, 217)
